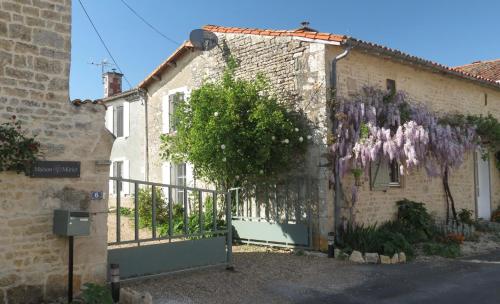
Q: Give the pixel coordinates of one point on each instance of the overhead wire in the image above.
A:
(149, 24)
(104, 43)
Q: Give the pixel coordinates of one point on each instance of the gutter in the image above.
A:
(336, 198)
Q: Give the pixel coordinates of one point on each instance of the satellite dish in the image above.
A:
(203, 40)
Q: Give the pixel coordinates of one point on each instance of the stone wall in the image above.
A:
(34, 78)
(440, 93)
(295, 69)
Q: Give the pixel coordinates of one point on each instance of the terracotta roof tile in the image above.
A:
(488, 69)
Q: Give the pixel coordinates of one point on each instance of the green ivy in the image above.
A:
(235, 130)
(17, 151)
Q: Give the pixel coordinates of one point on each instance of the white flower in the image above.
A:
(309, 136)
(273, 137)
(222, 146)
(261, 171)
(216, 114)
(224, 159)
(286, 141)
(237, 177)
(296, 129)
(301, 139)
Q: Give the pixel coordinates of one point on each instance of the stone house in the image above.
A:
(298, 64)
(35, 45)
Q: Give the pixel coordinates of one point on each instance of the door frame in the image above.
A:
(476, 182)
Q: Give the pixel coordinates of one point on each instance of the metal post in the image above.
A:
(200, 211)
(70, 269)
(115, 282)
(214, 211)
(229, 237)
(136, 211)
(170, 215)
(118, 207)
(186, 229)
(153, 210)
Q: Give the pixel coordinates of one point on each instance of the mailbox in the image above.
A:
(71, 223)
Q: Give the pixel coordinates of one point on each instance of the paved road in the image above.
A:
(270, 277)
(474, 280)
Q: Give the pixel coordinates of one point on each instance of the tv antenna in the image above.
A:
(202, 39)
(103, 64)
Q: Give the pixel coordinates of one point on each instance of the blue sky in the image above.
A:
(449, 32)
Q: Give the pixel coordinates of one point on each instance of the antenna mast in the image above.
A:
(103, 64)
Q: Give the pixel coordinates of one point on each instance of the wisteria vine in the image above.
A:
(376, 125)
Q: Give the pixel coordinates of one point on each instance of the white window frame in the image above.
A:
(165, 106)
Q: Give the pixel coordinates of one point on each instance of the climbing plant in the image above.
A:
(17, 150)
(376, 125)
(234, 131)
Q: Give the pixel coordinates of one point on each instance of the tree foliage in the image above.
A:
(17, 150)
(234, 131)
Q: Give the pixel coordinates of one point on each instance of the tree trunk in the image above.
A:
(449, 198)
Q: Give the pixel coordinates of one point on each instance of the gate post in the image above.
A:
(229, 236)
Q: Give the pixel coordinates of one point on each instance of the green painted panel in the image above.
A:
(296, 234)
(160, 258)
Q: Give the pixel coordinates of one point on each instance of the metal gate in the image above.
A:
(276, 214)
(163, 228)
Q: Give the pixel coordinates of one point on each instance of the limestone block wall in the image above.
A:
(440, 93)
(296, 71)
(34, 78)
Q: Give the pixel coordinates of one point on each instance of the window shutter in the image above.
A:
(171, 112)
(165, 173)
(379, 175)
(189, 175)
(119, 121)
(111, 182)
(109, 118)
(126, 175)
(165, 114)
(126, 119)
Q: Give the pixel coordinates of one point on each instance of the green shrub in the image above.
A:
(416, 219)
(162, 217)
(465, 216)
(96, 294)
(374, 239)
(447, 249)
(124, 211)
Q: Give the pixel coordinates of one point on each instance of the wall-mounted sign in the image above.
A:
(96, 195)
(43, 168)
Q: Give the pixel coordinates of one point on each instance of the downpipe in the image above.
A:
(334, 236)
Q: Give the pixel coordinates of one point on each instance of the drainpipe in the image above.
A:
(144, 95)
(336, 198)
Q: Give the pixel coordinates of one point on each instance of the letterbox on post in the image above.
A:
(71, 223)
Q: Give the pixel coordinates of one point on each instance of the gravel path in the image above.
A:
(261, 275)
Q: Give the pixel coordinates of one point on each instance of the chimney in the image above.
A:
(112, 83)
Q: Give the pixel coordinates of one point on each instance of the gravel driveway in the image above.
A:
(261, 275)
(271, 276)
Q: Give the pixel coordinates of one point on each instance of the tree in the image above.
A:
(234, 131)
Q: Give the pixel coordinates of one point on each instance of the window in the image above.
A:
(169, 105)
(391, 86)
(117, 172)
(485, 99)
(118, 119)
(394, 178)
(384, 174)
(174, 100)
(178, 178)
